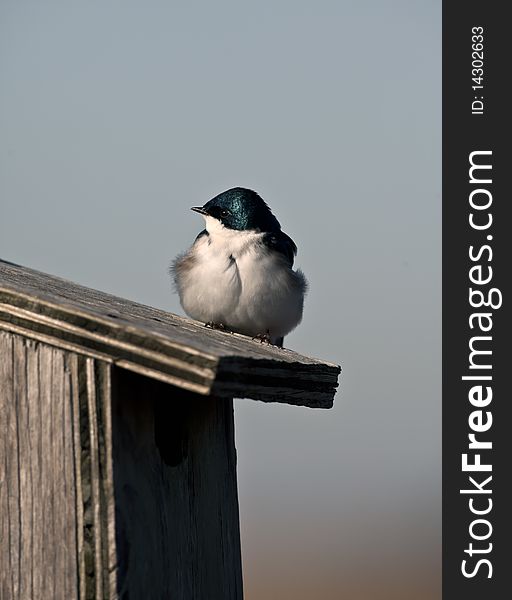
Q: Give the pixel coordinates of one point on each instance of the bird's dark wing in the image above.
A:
(278, 241)
(280, 342)
(201, 234)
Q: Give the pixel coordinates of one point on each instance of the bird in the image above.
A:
(238, 274)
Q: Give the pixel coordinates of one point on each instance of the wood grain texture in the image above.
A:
(176, 495)
(38, 550)
(158, 344)
(56, 483)
(112, 485)
(96, 473)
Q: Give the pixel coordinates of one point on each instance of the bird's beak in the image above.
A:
(199, 209)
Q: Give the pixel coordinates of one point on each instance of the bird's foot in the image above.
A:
(263, 337)
(219, 326)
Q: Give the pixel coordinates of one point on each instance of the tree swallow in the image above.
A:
(238, 274)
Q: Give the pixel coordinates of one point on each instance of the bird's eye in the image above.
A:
(224, 212)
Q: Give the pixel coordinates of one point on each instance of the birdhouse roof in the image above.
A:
(158, 344)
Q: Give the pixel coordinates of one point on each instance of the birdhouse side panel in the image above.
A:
(54, 473)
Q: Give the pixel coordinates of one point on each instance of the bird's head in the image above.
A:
(239, 209)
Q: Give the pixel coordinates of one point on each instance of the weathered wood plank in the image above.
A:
(94, 458)
(37, 495)
(176, 494)
(9, 469)
(98, 555)
(56, 496)
(79, 484)
(159, 344)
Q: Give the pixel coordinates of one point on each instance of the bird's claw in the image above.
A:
(263, 337)
(219, 326)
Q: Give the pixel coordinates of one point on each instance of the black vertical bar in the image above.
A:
(475, 121)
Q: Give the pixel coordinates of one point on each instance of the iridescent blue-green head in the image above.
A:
(240, 209)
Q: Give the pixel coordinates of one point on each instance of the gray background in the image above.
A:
(116, 117)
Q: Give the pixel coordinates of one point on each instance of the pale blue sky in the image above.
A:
(116, 117)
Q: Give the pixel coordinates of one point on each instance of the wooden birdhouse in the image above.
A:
(117, 454)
